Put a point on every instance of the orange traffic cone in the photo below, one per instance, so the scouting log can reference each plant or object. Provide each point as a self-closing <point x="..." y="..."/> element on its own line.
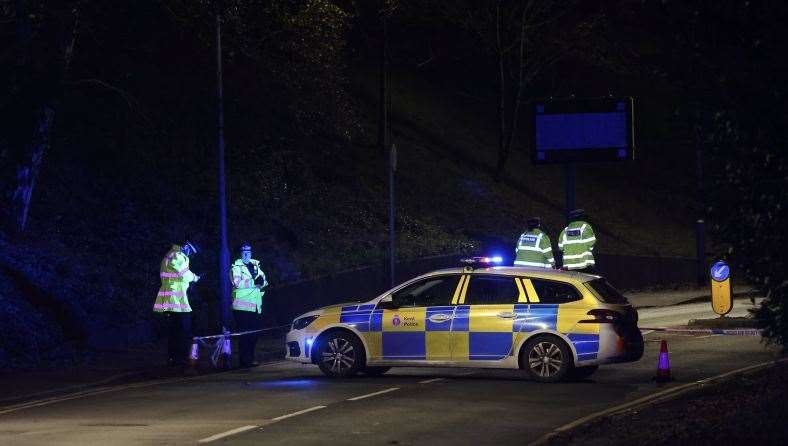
<point x="663" y="365"/>
<point x="194" y="356"/>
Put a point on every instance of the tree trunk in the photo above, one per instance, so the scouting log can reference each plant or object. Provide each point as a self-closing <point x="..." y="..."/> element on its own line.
<point x="506" y="149"/>
<point x="27" y="172"/>
<point x="35" y="141"/>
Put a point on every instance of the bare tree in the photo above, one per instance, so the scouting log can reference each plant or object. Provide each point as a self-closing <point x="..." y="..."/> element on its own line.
<point x="524" y="37"/>
<point x="42" y="52"/>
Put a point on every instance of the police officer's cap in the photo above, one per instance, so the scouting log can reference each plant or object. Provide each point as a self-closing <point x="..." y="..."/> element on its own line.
<point x="533" y="222"/>
<point x="191" y="246"/>
<point x="577" y="214"/>
<point x="245" y="246"/>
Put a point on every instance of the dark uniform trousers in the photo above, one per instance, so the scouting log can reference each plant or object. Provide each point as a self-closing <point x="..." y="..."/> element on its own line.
<point x="247" y="320"/>
<point x="179" y="337"/>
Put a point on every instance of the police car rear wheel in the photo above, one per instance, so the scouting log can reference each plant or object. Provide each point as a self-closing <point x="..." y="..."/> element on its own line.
<point x="546" y="359"/>
<point x="340" y="355"/>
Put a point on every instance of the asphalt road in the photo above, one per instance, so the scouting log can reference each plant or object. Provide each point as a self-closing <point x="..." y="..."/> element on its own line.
<point x="285" y="403"/>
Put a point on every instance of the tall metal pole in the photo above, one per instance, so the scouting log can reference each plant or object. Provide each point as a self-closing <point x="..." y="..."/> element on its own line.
<point x="700" y="224"/>
<point x="224" y="253"/>
<point x="570" y="172"/>
<point x="383" y="138"/>
<point x="392" y="168"/>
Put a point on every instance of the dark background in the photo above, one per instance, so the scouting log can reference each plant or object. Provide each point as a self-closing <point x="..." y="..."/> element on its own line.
<point x="128" y="163"/>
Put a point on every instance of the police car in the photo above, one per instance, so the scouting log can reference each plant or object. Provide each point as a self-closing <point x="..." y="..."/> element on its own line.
<point x="551" y="324"/>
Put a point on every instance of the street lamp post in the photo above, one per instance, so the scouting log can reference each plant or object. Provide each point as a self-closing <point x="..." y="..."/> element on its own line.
<point x="224" y="253"/>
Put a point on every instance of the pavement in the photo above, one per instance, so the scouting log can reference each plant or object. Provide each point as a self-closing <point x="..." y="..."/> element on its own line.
<point x="283" y="402"/>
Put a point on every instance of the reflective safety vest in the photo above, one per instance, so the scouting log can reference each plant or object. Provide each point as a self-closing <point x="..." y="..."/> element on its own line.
<point x="246" y="296"/>
<point x="577" y="243"/>
<point x="534" y="249"/>
<point x="175" y="278"/>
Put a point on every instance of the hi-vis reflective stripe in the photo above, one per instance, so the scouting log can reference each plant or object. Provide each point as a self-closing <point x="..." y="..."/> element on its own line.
<point x="579" y="265"/>
<point x="455" y="298"/>
<point x="537" y="264"/>
<point x="171" y="293"/>
<point x="244" y="304"/>
<point x="529" y="287"/>
<point x="521" y="298"/>
<point x="526" y="291"/>
<point x="578" y="256"/>
<point x="577" y="242"/>
<point x="166" y="275"/>
<point x="464" y="289"/>
<point x="530" y="248"/>
<point x="169" y="306"/>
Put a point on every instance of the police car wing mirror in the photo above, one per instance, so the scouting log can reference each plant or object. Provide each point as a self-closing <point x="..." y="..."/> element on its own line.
<point x="387" y="302"/>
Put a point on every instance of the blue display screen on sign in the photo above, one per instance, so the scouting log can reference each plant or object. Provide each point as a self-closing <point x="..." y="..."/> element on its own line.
<point x="582" y="130"/>
<point x="720" y="271"/>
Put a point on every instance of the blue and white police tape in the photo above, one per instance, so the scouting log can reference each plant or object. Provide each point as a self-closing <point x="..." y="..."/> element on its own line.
<point x="713" y="331"/>
<point x="221" y="343"/>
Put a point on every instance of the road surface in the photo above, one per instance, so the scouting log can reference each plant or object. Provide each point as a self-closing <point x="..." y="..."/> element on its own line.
<point x="290" y="404"/>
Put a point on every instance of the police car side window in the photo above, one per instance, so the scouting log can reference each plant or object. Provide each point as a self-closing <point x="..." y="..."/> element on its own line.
<point x="491" y="290"/>
<point x="550" y="292"/>
<point x="428" y="292"/>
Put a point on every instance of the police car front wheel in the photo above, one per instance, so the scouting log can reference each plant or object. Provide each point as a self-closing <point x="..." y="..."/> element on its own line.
<point x="546" y="359"/>
<point x="340" y="355"/>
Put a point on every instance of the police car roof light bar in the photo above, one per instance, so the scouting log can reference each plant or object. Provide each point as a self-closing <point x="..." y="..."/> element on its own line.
<point x="482" y="260"/>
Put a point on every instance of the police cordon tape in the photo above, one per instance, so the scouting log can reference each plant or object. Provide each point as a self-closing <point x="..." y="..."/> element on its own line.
<point x="714" y="331"/>
<point x="221" y="344"/>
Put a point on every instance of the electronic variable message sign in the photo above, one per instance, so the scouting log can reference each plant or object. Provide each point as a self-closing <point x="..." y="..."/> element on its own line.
<point x="582" y="130"/>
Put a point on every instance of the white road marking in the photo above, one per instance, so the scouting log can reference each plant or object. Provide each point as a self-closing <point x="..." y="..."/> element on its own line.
<point x="707" y="336"/>
<point x="373" y="394"/>
<point x="300" y="412"/>
<point x="427" y="381"/>
<point x="226" y="434"/>
<point x="250" y="427"/>
<point x="109" y="389"/>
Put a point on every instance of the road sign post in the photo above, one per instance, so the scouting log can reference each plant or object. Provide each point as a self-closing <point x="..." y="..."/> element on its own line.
<point x="721" y="295"/>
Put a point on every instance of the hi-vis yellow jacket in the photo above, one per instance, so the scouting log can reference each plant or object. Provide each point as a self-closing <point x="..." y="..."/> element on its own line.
<point x="175" y="278"/>
<point x="577" y="243"/>
<point x="246" y="296"/>
<point x="534" y="249"/>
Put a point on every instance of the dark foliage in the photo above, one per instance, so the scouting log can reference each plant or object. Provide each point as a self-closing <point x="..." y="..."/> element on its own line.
<point x="728" y="59"/>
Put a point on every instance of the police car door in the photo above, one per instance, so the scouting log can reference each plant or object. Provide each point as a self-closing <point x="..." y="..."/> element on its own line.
<point x="482" y="329"/>
<point x="416" y="324"/>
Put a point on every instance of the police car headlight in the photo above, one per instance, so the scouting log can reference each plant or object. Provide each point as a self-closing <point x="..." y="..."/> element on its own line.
<point x="301" y="323"/>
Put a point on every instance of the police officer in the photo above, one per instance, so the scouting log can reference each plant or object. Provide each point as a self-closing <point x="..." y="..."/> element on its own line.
<point x="248" y="281"/>
<point x="173" y="302"/>
<point x="576" y="242"/>
<point x="533" y="247"/>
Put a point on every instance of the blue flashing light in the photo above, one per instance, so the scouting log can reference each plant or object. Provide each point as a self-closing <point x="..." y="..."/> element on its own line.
<point x="309" y="341"/>
<point x="496" y="259"/>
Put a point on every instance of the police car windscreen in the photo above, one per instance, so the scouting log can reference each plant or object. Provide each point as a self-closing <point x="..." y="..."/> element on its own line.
<point x="606" y="292"/>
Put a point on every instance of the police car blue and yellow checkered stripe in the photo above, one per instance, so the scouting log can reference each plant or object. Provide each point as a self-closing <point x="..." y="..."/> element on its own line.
<point x="469" y="333"/>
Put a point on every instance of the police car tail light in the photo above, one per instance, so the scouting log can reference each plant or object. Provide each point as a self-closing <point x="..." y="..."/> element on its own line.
<point x="601" y="316"/>
<point x="301" y="323"/>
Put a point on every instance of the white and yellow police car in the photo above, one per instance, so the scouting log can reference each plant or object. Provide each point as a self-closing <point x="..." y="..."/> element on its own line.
<point x="552" y="324"/>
